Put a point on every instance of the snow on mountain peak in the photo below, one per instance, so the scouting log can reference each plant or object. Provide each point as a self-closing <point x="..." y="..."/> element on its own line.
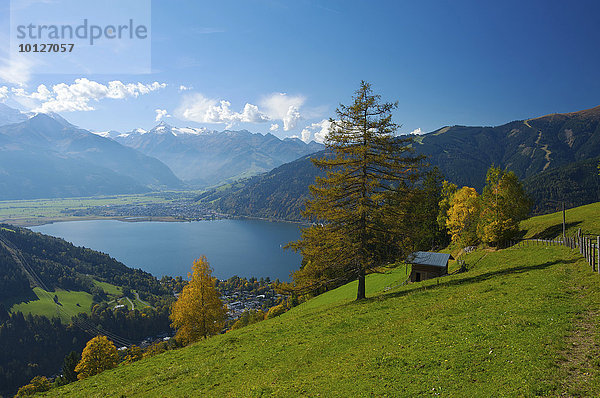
<point x="164" y="128"/>
<point x="105" y="134"/>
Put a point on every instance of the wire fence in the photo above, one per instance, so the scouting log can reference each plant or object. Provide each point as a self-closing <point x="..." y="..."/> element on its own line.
<point x="588" y="246"/>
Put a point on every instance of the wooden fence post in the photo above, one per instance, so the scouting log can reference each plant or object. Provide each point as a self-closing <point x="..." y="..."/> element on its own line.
<point x="592" y="262"/>
<point x="590" y="253"/>
<point x="587" y="250"/>
<point x="598" y="250"/>
<point x="593" y="255"/>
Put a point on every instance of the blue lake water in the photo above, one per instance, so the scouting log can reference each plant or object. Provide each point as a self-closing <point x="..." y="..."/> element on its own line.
<point x="233" y="247"/>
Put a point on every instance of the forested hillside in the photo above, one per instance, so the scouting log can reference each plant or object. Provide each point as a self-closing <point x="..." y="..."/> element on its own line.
<point x="34" y="344"/>
<point x="575" y="184"/>
<point x="279" y="194"/>
<point x="526" y="147"/>
<point x="556" y="155"/>
<point x="62" y="265"/>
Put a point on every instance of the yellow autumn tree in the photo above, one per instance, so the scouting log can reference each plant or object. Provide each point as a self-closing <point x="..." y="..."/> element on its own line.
<point x="99" y="354"/>
<point x="134" y="353"/>
<point x="504" y="204"/>
<point x="463" y="216"/>
<point x="199" y="311"/>
<point x="37" y="384"/>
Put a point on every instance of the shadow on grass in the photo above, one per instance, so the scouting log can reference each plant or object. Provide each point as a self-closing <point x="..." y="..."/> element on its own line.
<point x="23" y="298"/>
<point x="554" y="231"/>
<point x="467" y="279"/>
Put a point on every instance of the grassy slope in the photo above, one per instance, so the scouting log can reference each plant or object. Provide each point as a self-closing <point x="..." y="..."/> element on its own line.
<point x="550" y="225"/>
<point x="500" y="329"/>
<point x="109" y="289"/>
<point x="45" y="305"/>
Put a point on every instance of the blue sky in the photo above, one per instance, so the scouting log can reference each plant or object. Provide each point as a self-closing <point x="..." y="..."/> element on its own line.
<point x="284" y="66"/>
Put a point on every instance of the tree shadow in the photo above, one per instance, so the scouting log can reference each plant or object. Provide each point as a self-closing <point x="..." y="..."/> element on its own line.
<point x="554" y="230"/>
<point x="468" y="279"/>
<point x="25" y="297"/>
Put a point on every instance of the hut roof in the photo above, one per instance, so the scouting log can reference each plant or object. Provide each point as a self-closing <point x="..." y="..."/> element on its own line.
<point x="430" y="258"/>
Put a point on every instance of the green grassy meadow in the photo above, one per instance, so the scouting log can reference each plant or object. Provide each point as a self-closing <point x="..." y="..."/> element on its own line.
<point x="510" y="326"/>
<point x="45" y="305"/>
<point x="550" y="225"/>
<point x="71" y="302"/>
<point x="109" y="289"/>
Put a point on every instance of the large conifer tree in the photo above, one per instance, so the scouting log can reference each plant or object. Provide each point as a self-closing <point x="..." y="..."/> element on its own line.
<point x="360" y="203"/>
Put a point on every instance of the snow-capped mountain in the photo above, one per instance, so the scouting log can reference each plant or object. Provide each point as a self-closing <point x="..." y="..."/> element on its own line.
<point x="204" y="157"/>
<point x="161" y="128"/>
<point x="45" y="156"/>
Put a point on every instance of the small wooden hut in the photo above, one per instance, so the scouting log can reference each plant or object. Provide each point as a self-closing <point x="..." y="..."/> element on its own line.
<point x="427" y="265"/>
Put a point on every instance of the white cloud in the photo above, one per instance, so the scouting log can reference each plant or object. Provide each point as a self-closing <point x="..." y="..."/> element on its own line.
<point x="417" y="131"/>
<point x="77" y="96"/>
<point x="198" y="108"/>
<point x="41" y="94"/>
<point x="3" y="93"/>
<point x="251" y="114"/>
<point x="15" y="70"/>
<point x="316" y="131"/>
<point x="286" y="108"/>
<point x="184" y="88"/>
<point x="161" y="113"/>
<point x="278" y="106"/>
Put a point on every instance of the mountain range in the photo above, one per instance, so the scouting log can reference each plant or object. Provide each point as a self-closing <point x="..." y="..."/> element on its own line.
<point x="526" y="147"/>
<point x="202" y="157"/>
<point x="555" y="155"/>
<point x="46" y="157"/>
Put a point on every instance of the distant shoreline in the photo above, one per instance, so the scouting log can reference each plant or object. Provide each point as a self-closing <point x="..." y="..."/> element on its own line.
<point x="29" y="222"/>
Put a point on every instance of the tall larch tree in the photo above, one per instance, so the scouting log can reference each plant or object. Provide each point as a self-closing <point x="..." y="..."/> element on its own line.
<point x="99" y="354"/>
<point x="199" y="311"/>
<point x="504" y="204"/>
<point x="370" y="174"/>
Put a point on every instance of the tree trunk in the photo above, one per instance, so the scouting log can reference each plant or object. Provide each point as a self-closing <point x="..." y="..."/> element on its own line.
<point x="361" y="284"/>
